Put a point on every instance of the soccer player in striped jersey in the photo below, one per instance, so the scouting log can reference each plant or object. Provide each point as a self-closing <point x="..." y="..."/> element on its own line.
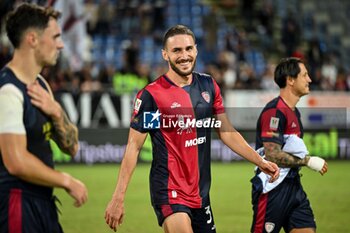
<point x="178" y="110"/>
<point x="284" y="204"/>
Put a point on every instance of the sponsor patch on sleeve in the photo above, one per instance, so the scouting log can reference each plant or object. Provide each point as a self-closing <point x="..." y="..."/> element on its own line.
<point x="270" y="134"/>
<point x="137" y="105"/>
<point x="274" y="123"/>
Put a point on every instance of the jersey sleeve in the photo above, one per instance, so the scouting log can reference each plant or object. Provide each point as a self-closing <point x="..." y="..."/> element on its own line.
<point x="143" y="103"/>
<point x="11" y="112"/>
<point x="273" y="124"/>
<point x="218" y="106"/>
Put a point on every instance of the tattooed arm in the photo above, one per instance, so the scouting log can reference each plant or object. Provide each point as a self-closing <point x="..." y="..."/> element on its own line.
<point x="274" y="153"/>
<point x="65" y="132"/>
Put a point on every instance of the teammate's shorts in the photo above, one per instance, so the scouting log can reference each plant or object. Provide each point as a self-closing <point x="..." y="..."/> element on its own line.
<point x="202" y="218"/>
<point x="285" y="206"/>
<point x="21" y="212"/>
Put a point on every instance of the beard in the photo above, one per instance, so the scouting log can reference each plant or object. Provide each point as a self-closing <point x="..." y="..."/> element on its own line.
<point x="178" y="71"/>
<point x="46" y="60"/>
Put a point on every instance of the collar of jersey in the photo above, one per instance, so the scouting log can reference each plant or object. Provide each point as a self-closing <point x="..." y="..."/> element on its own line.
<point x="172" y="83"/>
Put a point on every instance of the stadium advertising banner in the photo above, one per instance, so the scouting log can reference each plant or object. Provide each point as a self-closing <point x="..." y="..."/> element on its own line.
<point x="319" y="110"/>
<point x="103" y="121"/>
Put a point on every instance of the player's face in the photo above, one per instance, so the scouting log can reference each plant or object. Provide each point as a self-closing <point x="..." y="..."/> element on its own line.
<point x="181" y="53"/>
<point x="50" y="44"/>
<point x="301" y="83"/>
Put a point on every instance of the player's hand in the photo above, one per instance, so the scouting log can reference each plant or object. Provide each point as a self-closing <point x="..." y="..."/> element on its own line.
<point x="270" y="169"/>
<point x="43" y="100"/>
<point x="324" y="168"/>
<point x="317" y="164"/>
<point x="114" y="214"/>
<point x="77" y="190"/>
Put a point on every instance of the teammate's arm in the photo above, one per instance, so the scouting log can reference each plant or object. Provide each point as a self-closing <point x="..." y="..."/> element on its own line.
<point x="234" y="140"/>
<point x="274" y="153"/>
<point x="115" y="209"/>
<point x="65" y="133"/>
<point x="18" y="160"/>
<point x="21" y="163"/>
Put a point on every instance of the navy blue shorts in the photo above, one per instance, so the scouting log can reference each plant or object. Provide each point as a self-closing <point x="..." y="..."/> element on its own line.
<point x="21" y="212"/>
<point x="202" y="218"/>
<point x="286" y="206"/>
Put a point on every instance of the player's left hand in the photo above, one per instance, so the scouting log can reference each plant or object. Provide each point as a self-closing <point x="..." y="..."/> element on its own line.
<point x="43" y="100"/>
<point x="270" y="168"/>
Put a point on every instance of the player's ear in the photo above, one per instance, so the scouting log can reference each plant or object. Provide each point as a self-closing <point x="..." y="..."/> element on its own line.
<point x="165" y="55"/>
<point x="290" y="80"/>
<point x="31" y="37"/>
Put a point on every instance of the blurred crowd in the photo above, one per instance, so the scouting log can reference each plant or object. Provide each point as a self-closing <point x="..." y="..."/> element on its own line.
<point x="238" y="57"/>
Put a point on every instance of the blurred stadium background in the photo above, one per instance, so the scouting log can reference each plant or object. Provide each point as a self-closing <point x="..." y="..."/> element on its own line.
<point x="113" y="49"/>
<point x="239" y="41"/>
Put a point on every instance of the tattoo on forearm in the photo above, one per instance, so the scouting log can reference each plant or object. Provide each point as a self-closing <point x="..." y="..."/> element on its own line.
<point x="274" y="153"/>
<point x="66" y="134"/>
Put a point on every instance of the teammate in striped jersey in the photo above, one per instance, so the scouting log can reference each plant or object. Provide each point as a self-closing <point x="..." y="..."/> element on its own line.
<point x="284" y="204"/>
<point x="29" y="118"/>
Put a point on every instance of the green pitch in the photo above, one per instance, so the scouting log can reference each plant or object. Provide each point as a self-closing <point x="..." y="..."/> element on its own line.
<point x="230" y="196"/>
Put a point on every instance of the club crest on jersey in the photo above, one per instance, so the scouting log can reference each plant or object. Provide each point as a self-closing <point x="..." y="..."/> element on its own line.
<point x="274" y="122"/>
<point x="206" y="96"/>
<point x="269" y="226"/>
<point x="137" y="104"/>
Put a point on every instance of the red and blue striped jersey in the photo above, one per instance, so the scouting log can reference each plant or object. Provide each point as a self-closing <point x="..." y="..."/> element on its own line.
<point x="277" y="119"/>
<point x="179" y="121"/>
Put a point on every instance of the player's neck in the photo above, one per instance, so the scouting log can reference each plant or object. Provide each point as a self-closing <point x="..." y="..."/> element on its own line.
<point x="24" y="67"/>
<point x="179" y="80"/>
<point x="289" y="98"/>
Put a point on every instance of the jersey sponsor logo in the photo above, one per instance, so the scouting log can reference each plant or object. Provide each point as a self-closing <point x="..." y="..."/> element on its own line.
<point x="151" y="120"/>
<point x="137" y="105"/>
<point x="195" y="141"/>
<point x="206" y="96"/>
<point x="274" y="122"/>
<point x="269" y="226"/>
<point x="47" y="130"/>
<point x="175" y="105"/>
